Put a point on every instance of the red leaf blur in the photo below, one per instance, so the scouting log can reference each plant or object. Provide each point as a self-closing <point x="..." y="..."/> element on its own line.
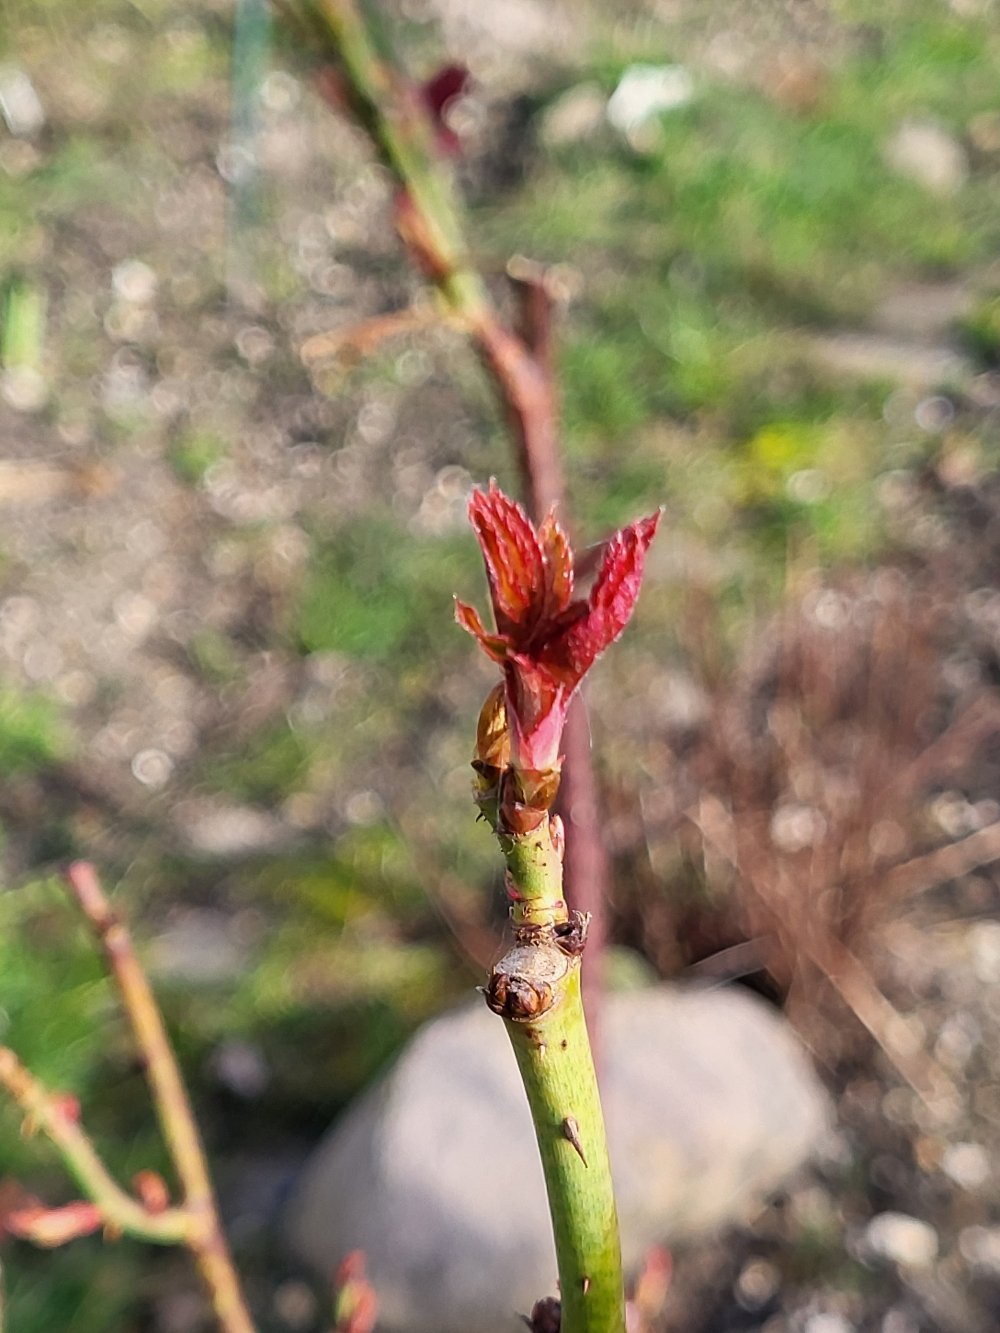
<point x="545" y="641"/>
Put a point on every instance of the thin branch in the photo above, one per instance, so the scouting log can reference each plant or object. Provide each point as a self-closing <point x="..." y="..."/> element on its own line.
<point x="54" y="1115"/>
<point x="845" y="973"/>
<point x="958" y="858"/>
<point x="350" y="345"/>
<point x="164" y="1078"/>
<point x="204" y="1235"/>
<point x="428" y="217"/>
<point x="586" y="865"/>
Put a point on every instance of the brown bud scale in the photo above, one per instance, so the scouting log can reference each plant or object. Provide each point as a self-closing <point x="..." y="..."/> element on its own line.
<point x="524" y="984"/>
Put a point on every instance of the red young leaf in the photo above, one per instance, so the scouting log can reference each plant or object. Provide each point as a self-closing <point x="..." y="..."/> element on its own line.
<point x="492" y="644"/>
<point x="613" y="595"/>
<point x="558" y="565"/>
<point x="448" y="84"/>
<point x="545" y="641"/>
<point x="514" y="562"/>
<point x="54" y="1226"/>
<point x="356" y="1305"/>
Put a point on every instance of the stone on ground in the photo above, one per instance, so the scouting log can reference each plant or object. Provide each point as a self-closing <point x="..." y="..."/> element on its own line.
<point x="435" y="1174"/>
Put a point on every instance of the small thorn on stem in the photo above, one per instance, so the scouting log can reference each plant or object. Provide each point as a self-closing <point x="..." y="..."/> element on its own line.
<point x="571" y="1130"/>
<point x="557" y="832"/>
<point x="586" y="1285"/>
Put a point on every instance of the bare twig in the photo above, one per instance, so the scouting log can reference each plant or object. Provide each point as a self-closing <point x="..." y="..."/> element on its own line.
<point x="958" y="858"/>
<point x="952" y="748"/>
<point x="429" y="221"/>
<point x="351" y="344"/>
<point x="204" y="1234"/>
<point x="739" y="843"/>
<point x="586" y="866"/>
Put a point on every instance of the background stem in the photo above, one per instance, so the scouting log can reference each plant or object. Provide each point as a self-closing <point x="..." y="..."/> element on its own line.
<point x="47" y="1112"/>
<point x="520" y="362"/>
<point x="205" y="1236"/>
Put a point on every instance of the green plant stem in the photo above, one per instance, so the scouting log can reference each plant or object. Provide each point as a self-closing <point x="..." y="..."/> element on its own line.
<point x="552" y="1047"/>
<point x="535" y="871"/>
<point x="48" y="1113"/>
<point x="553" y="1054"/>
<point x="389" y="113"/>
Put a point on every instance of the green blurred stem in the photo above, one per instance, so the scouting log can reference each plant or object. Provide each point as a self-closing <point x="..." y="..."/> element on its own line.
<point x="554" y="1056"/>
<point x="391" y="114"/>
<point x="49" y="1113"/>
<point x="23" y="325"/>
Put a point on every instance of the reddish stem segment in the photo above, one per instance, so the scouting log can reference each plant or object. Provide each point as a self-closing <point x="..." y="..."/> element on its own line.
<point x="586" y="864"/>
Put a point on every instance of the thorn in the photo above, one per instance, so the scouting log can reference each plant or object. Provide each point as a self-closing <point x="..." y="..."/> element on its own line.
<point x="586" y="1285"/>
<point x="558" y="834"/>
<point x="152" y="1190"/>
<point x="571" y="1130"/>
<point x="66" y="1105"/>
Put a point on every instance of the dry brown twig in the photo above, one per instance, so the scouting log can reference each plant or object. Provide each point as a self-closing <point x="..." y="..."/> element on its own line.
<point x="195" y="1221"/>
<point x="842" y="746"/>
<point x="851" y="980"/>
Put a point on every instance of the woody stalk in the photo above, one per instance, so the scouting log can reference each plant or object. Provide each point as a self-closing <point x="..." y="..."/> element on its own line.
<point x="544" y="642"/>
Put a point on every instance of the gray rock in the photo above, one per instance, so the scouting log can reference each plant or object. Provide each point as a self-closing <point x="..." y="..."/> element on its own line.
<point x="435" y="1172"/>
<point x="871" y="356"/>
<point x="929" y="155"/>
<point x="905" y="1240"/>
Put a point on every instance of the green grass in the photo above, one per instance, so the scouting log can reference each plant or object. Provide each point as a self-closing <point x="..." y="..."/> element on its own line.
<point x="376" y="592"/>
<point x="31" y="733"/>
<point x="194" y="452"/>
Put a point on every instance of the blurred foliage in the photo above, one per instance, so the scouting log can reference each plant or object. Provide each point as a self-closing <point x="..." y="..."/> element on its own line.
<point x="193" y="453"/>
<point x="374" y="591"/>
<point x="31" y="732"/>
<point x="982" y="327"/>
